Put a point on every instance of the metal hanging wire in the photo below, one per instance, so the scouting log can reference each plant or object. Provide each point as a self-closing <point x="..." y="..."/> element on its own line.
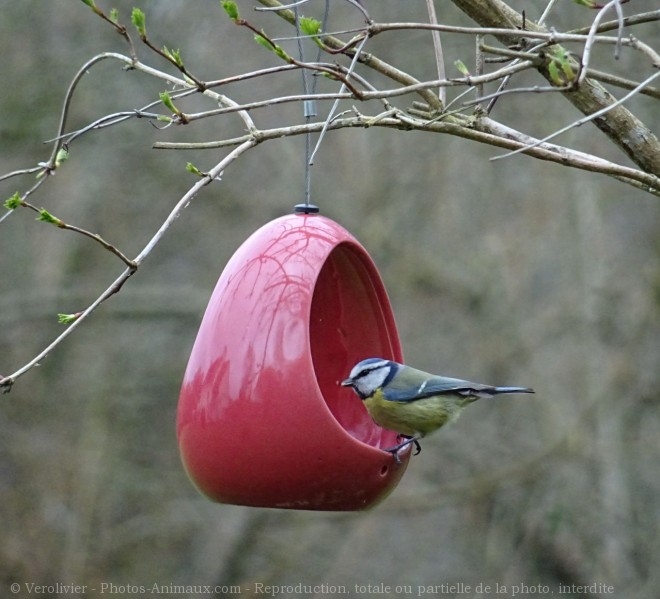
<point x="309" y="83"/>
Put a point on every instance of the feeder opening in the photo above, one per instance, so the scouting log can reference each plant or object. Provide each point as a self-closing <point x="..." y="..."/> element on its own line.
<point x="350" y="320"/>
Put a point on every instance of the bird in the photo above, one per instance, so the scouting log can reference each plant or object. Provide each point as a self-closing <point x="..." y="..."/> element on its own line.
<point x="412" y="402"/>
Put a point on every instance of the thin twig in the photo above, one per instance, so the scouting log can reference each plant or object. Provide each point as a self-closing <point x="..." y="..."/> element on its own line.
<point x="67" y="100"/>
<point x="512" y="140"/>
<point x="107" y="121"/>
<point x="336" y="103"/>
<point x="94" y="236"/>
<point x="437" y="47"/>
<point x="118" y="27"/>
<point x="367" y="95"/>
<point x="22" y="171"/>
<point x="644" y="17"/>
<point x="370" y="60"/>
<point x="550" y="37"/>
<point x="7" y="381"/>
<point x="479" y="66"/>
<point x="546" y="12"/>
<point x="586" y="54"/>
<point x="653" y="92"/>
<point x="532" y="89"/>
<point x="332" y="71"/>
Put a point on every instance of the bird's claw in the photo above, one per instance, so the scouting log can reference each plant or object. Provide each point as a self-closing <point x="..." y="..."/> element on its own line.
<point x="408" y="440"/>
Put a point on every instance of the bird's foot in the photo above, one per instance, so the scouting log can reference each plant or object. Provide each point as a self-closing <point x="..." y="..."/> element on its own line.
<point x="408" y="440"/>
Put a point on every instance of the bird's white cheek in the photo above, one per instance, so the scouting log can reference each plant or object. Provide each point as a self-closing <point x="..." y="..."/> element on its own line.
<point x="373" y="380"/>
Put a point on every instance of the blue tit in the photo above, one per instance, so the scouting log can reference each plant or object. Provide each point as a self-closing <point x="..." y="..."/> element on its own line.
<point x="412" y="402"/>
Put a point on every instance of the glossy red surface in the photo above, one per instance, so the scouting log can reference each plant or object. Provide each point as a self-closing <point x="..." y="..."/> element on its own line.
<point x="262" y="420"/>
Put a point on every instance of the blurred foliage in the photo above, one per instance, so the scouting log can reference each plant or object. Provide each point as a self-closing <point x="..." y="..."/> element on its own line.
<point x="516" y="272"/>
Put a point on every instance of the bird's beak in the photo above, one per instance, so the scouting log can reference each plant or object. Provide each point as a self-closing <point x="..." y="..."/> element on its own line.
<point x="347" y="383"/>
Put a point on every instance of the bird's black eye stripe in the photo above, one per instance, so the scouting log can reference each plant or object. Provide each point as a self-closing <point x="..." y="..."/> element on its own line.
<point x="364" y="372"/>
<point x="368" y="370"/>
<point x="373" y="367"/>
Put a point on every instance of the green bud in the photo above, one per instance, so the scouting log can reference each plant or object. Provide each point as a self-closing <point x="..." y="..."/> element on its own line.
<point x="47" y="217"/>
<point x="174" y="56"/>
<point x="191" y="168"/>
<point x="460" y="65"/>
<point x="177" y="57"/>
<point x="114" y="15"/>
<point x="67" y="318"/>
<point x="164" y="119"/>
<point x="263" y="42"/>
<point x="61" y="156"/>
<point x="560" y="68"/>
<point x="165" y="99"/>
<point x="231" y="9"/>
<point x="260" y="39"/>
<point x="139" y="20"/>
<point x="13" y="202"/>
<point x="281" y="53"/>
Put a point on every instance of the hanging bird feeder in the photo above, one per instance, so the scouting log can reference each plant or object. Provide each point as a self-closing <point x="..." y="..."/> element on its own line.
<point x="262" y="420"/>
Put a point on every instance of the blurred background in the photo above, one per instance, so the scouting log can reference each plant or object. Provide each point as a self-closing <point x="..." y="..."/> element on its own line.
<point x="508" y="272"/>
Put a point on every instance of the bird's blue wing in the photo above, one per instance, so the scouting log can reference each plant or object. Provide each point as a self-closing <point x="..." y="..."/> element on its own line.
<point x="409" y="386"/>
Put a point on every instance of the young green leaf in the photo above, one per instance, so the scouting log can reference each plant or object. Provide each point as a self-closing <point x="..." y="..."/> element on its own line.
<point x="174" y="56"/>
<point x="231" y="9"/>
<point x="13" y="202"/>
<point x="310" y="26"/>
<point x="114" y="15"/>
<point x="140" y="21"/>
<point x="90" y="3"/>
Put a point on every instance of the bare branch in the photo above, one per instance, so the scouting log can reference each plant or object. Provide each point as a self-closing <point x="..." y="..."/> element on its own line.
<point x="588" y="118"/>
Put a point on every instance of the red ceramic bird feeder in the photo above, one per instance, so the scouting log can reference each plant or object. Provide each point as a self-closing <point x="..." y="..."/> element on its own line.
<point x="262" y="420"/>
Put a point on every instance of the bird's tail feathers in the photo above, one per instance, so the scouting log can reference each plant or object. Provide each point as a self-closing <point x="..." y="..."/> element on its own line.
<point x="498" y="390"/>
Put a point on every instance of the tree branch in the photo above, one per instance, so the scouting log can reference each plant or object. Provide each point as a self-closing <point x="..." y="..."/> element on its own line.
<point x="621" y="126"/>
<point x="6" y="382"/>
<point x="365" y="58"/>
<point x="482" y="130"/>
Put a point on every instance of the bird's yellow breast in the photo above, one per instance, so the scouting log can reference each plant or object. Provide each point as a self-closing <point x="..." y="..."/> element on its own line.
<point x="414" y="417"/>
